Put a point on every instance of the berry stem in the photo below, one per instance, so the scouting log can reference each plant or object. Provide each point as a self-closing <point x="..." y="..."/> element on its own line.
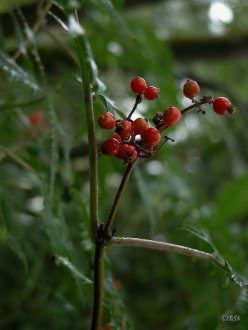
<point x="137" y="102"/>
<point x="114" y="208"/>
<point x="168" y="247"/>
<point x="162" y="126"/>
<point x="195" y="105"/>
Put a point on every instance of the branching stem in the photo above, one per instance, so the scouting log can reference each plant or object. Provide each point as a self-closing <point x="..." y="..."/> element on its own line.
<point x="122" y="186"/>
<point x="168" y="247"/>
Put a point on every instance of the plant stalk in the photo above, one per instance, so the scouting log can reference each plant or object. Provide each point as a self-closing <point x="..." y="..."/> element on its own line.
<point x="98" y="286"/>
<point x="168" y="247"/>
<point x="92" y="154"/>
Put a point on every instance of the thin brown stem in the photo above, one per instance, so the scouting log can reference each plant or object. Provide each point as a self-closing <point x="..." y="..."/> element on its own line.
<point x="114" y="208"/>
<point x="162" y="127"/>
<point x="168" y="247"/>
<point x="98" y="287"/>
<point x="137" y="102"/>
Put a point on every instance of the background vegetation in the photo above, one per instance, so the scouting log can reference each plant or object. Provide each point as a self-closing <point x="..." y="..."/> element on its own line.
<point x="199" y="182"/>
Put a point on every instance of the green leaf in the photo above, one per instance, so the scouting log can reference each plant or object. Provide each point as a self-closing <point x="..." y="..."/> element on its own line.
<point x="55" y="225"/>
<point x="222" y="263"/>
<point x="54" y="149"/>
<point x="16" y="73"/>
<point x="60" y="260"/>
<point x="232" y="201"/>
<point x="110" y="105"/>
<point x="14" y="239"/>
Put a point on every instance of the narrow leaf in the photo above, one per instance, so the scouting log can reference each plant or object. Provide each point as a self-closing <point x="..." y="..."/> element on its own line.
<point x="16" y="73"/>
<point x="60" y="260"/>
<point x="14" y="239"/>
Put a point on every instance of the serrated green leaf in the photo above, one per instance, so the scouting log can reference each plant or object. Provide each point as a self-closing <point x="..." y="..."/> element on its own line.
<point x="219" y="259"/>
<point x="55" y="226"/>
<point x="16" y="73"/>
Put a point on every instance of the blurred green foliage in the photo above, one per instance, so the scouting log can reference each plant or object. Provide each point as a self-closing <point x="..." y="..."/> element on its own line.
<point x="199" y="181"/>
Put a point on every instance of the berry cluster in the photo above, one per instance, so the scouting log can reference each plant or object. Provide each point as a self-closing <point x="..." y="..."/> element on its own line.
<point x="136" y="138"/>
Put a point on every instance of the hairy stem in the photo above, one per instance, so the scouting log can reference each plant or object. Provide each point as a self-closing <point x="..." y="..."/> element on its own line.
<point x="98" y="287"/>
<point x="114" y="208"/>
<point x="168" y="247"/>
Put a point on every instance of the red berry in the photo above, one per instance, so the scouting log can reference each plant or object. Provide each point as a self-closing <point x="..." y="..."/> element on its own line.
<point x="110" y="147"/>
<point x="191" y="89"/>
<point x="127" y="153"/>
<point x="117" y="137"/>
<point x="138" y="85"/>
<point x="139" y="125"/>
<point x="223" y="106"/>
<point x="171" y="116"/>
<point x="124" y="128"/>
<point x="107" y="327"/>
<point x="106" y="120"/>
<point x="151" y="137"/>
<point x="152" y="93"/>
<point x="36" y="118"/>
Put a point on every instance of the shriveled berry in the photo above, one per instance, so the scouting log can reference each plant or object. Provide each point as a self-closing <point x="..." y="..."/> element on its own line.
<point x="191" y="89"/>
<point x="110" y="147"/>
<point x="223" y="106"/>
<point x="152" y="93"/>
<point x="127" y="153"/>
<point x="124" y="128"/>
<point x="138" y="85"/>
<point x="106" y="120"/>
<point x="151" y="137"/>
<point x="139" y="125"/>
<point x="171" y="116"/>
<point x="158" y="118"/>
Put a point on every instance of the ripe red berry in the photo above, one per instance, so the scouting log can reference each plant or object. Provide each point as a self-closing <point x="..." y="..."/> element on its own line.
<point x="110" y="147"/>
<point x="117" y="137"/>
<point x="171" y="116"/>
<point x="223" y="106"/>
<point x="36" y="118"/>
<point x="124" y="128"/>
<point x="107" y="327"/>
<point x="152" y="93"/>
<point x="127" y="153"/>
<point x="151" y="137"/>
<point x="106" y="120"/>
<point x="138" y="85"/>
<point x="191" y="89"/>
<point x="139" y="125"/>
